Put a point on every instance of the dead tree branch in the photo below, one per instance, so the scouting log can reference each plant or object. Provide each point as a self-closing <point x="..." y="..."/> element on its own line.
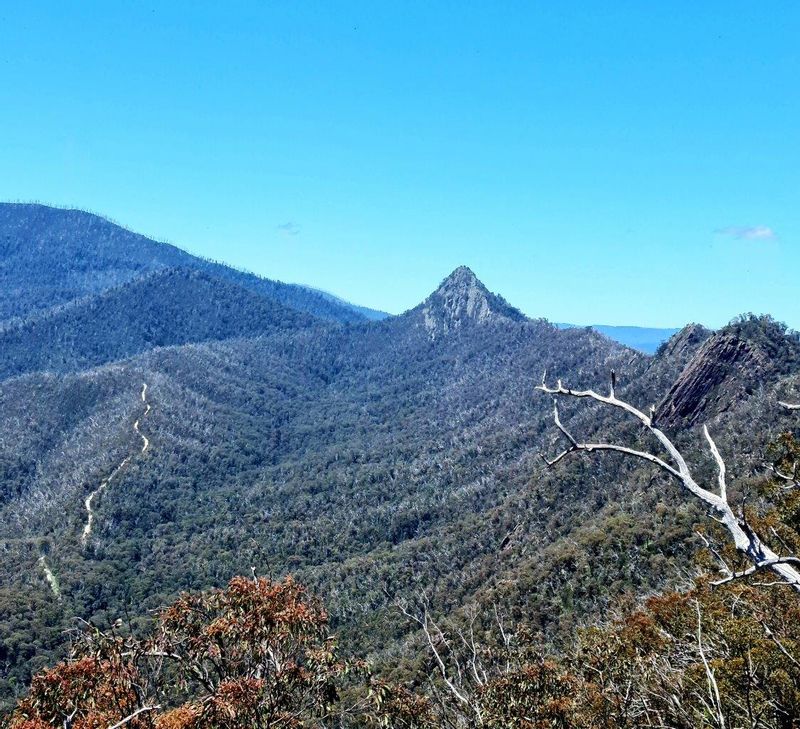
<point x="713" y="688"/>
<point x="747" y="542"/>
<point x="132" y="716"/>
<point x="435" y="637"/>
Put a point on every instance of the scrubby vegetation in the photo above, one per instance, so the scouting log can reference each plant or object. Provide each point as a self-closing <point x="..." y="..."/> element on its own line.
<point x="259" y="654"/>
<point x="389" y="466"/>
<point x="51" y="257"/>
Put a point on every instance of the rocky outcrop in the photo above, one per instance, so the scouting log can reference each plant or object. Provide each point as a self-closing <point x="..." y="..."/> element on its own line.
<point x="724" y="369"/>
<point x="682" y="346"/>
<point x="462" y="299"/>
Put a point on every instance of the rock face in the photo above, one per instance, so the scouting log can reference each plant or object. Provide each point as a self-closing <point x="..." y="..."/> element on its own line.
<point x="682" y="346"/>
<point x="728" y="366"/>
<point x="462" y="299"/>
<point x="672" y="356"/>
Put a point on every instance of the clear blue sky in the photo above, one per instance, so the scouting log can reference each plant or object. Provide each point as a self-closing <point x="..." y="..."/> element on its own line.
<point x="594" y="162"/>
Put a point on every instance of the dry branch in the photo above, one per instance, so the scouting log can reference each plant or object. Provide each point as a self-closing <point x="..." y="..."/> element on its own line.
<point x="747" y="542"/>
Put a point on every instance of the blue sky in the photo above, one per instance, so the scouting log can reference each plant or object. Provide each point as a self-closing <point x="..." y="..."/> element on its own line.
<point x="594" y="162"/>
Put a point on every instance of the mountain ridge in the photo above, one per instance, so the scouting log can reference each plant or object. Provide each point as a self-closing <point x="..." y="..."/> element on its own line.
<point x="729" y="364"/>
<point x="49" y="256"/>
<point x="128" y="254"/>
<point x="462" y="299"/>
<point x="372" y="460"/>
<point x="164" y="307"/>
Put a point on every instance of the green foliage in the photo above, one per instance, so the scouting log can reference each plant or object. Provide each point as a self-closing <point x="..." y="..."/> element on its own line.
<point x="781" y="345"/>
<point x="53" y="256"/>
<point x="165" y="308"/>
<point x="373" y="460"/>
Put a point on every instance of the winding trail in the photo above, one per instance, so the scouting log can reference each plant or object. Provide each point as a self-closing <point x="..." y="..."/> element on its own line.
<point x="145" y="441"/>
<point x="87" y="528"/>
<point x="50" y="577"/>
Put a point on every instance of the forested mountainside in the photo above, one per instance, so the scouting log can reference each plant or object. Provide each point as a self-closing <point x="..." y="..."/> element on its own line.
<point x="345" y="455"/>
<point x="371" y="461"/>
<point x="371" y="314"/>
<point x="178" y="428"/>
<point x="50" y="256"/>
<point x="170" y="306"/>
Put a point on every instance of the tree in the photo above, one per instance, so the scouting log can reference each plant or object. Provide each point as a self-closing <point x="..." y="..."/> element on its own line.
<point x="256" y="654"/>
<point x="744" y="537"/>
<point x="491" y="677"/>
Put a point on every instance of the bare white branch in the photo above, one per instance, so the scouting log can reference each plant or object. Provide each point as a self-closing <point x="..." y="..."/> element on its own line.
<point x="723" y="488"/>
<point x="793" y="478"/>
<point x="766" y="564"/>
<point x="133" y="716"/>
<point x="768" y="632"/>
<point x="589" y="447"/>
<point x="723" y="565"/>
<point x="427" y="626"/>
<point x="713" y="688"/>
<point x="746" y="540"/>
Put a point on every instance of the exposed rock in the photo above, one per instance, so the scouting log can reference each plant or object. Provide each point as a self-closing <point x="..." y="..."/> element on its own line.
<point x="725" y="368"/>
<point x="460" y="299"/>
<point x="681" y="346"/>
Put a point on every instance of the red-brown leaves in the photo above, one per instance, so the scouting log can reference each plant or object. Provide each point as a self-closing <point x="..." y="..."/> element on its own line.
<point x="89" y="692"/>
<point x="255" y="654"/>
<point x="536" y="696"/>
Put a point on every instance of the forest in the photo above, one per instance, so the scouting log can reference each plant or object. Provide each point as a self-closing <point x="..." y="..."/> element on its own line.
<point x="303" y="517"/>
<point x="260" y="653"/>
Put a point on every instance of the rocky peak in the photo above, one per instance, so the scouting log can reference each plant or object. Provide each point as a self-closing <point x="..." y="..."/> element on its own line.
<point x="731" y="364"/>
<point x="683" y="344"/>
<point x="462" y="299"/>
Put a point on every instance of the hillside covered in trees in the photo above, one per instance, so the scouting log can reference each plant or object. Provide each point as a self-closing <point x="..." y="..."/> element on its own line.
<point x="389" y="465"/>
<point x="51" y="256"/>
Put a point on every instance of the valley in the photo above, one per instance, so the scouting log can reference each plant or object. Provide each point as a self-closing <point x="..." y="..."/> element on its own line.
<point x="372" y="459"/>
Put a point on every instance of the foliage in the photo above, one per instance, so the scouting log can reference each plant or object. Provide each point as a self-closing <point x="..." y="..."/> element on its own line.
<point x="537" y="695"/>
<point x="52" y="256"/>
<point x="392" y="706"/>
<point x="372" y="460"/>
<point x="260" y="654"/>
<point x="171" y="306"/>
<point x="361" y="459"/>
<point x="256" y="654"/>
<point x="780" y="344"/>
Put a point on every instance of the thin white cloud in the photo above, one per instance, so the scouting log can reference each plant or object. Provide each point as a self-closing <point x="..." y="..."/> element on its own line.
<point x="289" y="228"/>
<point x="748" y="232"/>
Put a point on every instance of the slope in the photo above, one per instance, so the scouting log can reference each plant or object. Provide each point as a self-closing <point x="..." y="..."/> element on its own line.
<point x="329" y="452"/>
<point x="373" y="461"/>
<point x="163" y="308"/>
<point x="732" y="364"/>
<point x="50" y="256"/>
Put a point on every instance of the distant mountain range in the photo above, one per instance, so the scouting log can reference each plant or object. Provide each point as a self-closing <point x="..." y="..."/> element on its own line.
<point x="645" y="339"/>
<point x="50" y="256"/>
<point x="287" y="431"/>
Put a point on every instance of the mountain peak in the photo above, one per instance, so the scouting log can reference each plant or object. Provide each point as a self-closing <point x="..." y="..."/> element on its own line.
<point x="460" y="299"/>
<point x="729" y="366"/>
<point x="461" y="276"/>
<point x="682" y="345"/>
